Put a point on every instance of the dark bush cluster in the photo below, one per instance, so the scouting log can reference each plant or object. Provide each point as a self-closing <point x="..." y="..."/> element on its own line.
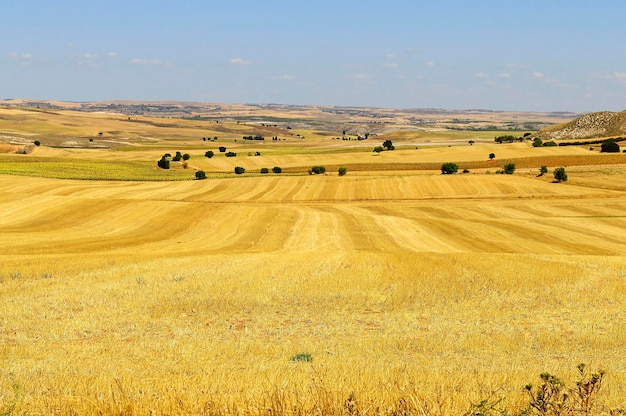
<point x="318" y="170"/>
<point x="257" y="137"/>
<point x="231" y="154"/>
<point x="449" y="168"/>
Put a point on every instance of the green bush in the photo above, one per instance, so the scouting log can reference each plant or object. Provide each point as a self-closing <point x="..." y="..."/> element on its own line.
<point x="537" y="142"/>
<point x="37" y="143"/>
<point x="265" y="170"/>
<point x="164" y="162"/>
<point x="303" y="356"/>
<point x="277" y="169"/>
<point x="388" y="144"/>
<point x="378" y="149"/>
<point x="209" y="154"/>
<point x="543" y="170"/>
<point x="231" y="154"/>
<point x="609" y="146"/>
<point x="239" y="170"/>
<point x="449" y="168"/>
<point x="200" y="174"/>
<point x="509" y="168"/>
<point x="318" y="170"/>
<point x="177" y="157"/>
<point x="492" y="156"/>
<point x="560" y="175"/>
<point x="186" y="156"/>
<point x="342" y="171"/>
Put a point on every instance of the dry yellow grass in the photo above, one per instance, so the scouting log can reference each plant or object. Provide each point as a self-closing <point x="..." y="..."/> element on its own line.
<point x="414" y="293"/>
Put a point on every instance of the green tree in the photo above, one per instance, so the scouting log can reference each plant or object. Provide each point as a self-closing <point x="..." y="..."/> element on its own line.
<point x="560" y="175"/>
<point x="537" y="142"/>
<point x="209" y="154"/>
<point x="200" y="174"/>
<point x="449" y="168"/>
<point x="388" y="144"/>
<point x="164" y="162"/>
<point x="492" y="156"/>
<point x="239" y="170"/>
<point x="277" y="169"/>
<point x="342" y="171"/>
<point x="177" y="157"/>
<point x="509" y="168"/>
<point x="543" y="170"/>
<point x="265" y="170"/>
<point x="37" y="143"/>
<point x="318" y="170"/>
<point x="609" y="146"/>
<point x="186" y="156"/>
<point x="378" y="149"/>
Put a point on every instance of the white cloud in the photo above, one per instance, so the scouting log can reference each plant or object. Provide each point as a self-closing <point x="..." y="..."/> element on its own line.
<point x="390" y="65"/>
<point x="429" y="63"/>
<point x="482" y="75"/>
<point x="361" y="77"/>
<point x="538" y="75"/>
<point x="112" y="54"/>
<point x="240" y="61"/>
<point x="24" y="59"/>
<point x="504" y="75"/>
<point x="391" y="56"/>
<point x="553" y="82"/>
<point x="142" y="61"/>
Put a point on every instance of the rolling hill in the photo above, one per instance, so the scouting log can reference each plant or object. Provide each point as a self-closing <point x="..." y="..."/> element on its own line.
<point x="592" y="125"/>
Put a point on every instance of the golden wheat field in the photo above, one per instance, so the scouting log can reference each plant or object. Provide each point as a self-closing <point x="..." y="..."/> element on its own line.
<point x="385" y="291"/>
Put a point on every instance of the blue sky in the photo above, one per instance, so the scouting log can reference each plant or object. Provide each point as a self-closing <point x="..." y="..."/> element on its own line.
<point x="546" y="55"/>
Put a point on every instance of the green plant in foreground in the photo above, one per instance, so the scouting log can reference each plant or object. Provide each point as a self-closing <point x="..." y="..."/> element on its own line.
<point x="342" y="171"/>
<point x="553" y="398"/>
<point x="303" y="356"/>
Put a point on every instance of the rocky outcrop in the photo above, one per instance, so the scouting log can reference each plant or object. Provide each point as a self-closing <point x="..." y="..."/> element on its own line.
<point x="592" y="125"/>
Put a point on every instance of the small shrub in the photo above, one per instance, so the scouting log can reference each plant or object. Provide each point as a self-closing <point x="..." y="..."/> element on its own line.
<point x="302" y="357"/>
<point x="265" y="170"/>
<point x="200" y="175"/>
<point x="537" y="142"/>
<point x="560" y="175"/>
<point x="239" y="170"/>
<point x="209" y="154"/>
<point x="492" y="156"/>
<point x="37" y="143"/>
<point x="378" y="149"/>
<point x="231" y="154"/>
<point x="318" y="170"/>
<point x="466" y="171"/>
<point x="277" y="169"/>
<point x="543" y="170"/>
<point x="186" y="156"/>
<point x="342" y="171"/>
<point x="449" y="168"/>
<point x="222" y="149"/>
<point x="509" y="168"/>
<point x="177" y="157"/>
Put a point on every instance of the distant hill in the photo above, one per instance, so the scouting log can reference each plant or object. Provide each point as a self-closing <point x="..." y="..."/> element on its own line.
<point x="592" y="125"/>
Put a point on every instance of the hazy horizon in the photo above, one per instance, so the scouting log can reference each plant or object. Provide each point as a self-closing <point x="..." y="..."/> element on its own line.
<point x="555" y="57"/>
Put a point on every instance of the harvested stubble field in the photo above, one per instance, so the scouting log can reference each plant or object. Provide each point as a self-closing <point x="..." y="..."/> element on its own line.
<point x="412" y="292"/>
